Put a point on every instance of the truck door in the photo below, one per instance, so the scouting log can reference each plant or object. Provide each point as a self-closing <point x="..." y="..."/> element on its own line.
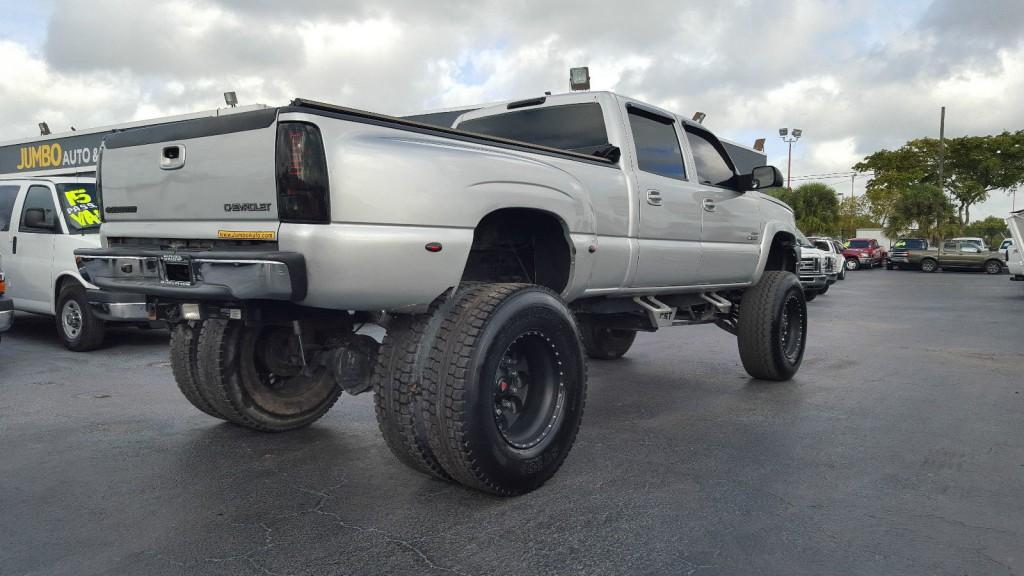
<point x="950" y="254"/>
<point x="669" y="232"/>
<point x="28" y="268"/>
<point x="730" y="220"/>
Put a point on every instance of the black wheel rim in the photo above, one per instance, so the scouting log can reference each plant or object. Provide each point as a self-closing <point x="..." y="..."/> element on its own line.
<point x="529" y="392"/>
<point x="792" y="328"/>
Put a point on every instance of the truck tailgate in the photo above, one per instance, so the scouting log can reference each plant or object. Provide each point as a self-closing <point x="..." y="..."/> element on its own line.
<point x="209" y="171"/>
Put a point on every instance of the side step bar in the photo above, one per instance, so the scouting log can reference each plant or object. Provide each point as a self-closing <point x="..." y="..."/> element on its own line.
<point x="662" y="315"/>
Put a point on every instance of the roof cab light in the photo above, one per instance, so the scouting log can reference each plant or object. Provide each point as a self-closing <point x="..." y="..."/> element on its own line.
<point x="303" y="193"/>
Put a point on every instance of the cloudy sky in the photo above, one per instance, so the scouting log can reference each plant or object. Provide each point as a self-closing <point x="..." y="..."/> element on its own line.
<point x="855" y="76"/>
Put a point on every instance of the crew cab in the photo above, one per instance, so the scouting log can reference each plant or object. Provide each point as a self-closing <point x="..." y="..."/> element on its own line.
<point x="863" y="253"/>
<point x="267" y="238"/>
<point x="907" y="253"/>
<point x="6" y="305"/>
<point x="963" y="255"/>
<point x="42" y="221"/>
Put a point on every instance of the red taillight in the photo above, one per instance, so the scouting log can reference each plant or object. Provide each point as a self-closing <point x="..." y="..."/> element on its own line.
<point x="3" y="283"/>
<point x="303" y="193"/>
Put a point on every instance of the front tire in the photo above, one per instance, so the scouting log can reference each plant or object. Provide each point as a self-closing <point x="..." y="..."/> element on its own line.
<point x="993" y="267"/>
<point x="929" y="265"/>
<point x="842" y="272"/>
<point x="603" y="343"/>
<point x="852" y="264"/>
<point x="256" y="377"/>
<point x="772" y="330"/>
<point x="77" y="327"/>
<point x="508" y="387"/>
<point x="810" y="295"/>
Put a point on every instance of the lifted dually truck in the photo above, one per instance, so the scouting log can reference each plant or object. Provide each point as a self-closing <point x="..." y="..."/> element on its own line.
<point x="504" y="251"/>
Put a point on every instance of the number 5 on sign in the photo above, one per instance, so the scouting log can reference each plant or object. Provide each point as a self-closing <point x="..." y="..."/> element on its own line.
<point x="76" y="197"/>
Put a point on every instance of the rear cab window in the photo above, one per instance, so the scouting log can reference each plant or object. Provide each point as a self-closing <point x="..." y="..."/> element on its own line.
<point x="574" y="127"/>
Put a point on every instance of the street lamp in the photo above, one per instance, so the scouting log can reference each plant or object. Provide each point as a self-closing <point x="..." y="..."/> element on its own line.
<point x="790" y="137"/>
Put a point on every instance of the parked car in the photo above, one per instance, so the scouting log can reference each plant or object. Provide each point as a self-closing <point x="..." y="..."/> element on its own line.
<point x="42" y="222"/>
<point x="906" y="253"/>
<point x="863" y="253"/>
<point x="817" y="273"/>
<point x="496" y="247"/>
<point x="962" y="255"/>
<point x="835" y="252"/>
<point x="6" y="305"/>
<point x="1015" y="252"/>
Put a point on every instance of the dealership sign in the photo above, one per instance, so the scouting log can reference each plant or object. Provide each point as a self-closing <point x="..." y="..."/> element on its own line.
<point x="69" y="153"/>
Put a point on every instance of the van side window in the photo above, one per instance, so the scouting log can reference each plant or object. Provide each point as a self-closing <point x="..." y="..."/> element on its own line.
<point x="657" y="145"/>
<point x="8" y="194"/>
<point x="712" y="167"/>
<point x="38" y="208"/>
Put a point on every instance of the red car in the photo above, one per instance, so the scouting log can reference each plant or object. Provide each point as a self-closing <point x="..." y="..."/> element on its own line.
<point x="863" y="253"/>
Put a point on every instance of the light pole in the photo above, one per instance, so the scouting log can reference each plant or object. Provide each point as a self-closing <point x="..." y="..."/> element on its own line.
<point x="790" y="137"/>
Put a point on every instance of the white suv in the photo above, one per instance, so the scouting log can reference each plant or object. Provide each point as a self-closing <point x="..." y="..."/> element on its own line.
<point x="42" y="222"/>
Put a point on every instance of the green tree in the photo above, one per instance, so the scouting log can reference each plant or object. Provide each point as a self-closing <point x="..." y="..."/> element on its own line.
<point x="854" y="213"/>
<point x="815" y="205"/>
<point x="921" y="210"/>
<point x="974" y="167"/>
<point x="993" y="229"/>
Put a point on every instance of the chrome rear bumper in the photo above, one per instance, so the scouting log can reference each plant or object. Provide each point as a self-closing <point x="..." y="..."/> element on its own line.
<point x="195" y="276"/>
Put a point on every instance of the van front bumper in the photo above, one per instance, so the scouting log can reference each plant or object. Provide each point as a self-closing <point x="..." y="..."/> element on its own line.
<point x="196" y="276"/>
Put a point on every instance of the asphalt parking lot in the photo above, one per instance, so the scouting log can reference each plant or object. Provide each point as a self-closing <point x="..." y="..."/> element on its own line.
<point x="898" y="449"/>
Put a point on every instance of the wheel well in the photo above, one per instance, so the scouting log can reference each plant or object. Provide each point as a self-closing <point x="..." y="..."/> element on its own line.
<point x="59" y="285"/>
<point x="520" y="245"/>
<point x="780" y="255"/>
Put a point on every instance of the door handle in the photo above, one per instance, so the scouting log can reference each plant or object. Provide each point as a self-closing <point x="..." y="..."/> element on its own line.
<point x="709" y="205"/>
<point x="14" y="244"/>
<point x="654" y="198"/>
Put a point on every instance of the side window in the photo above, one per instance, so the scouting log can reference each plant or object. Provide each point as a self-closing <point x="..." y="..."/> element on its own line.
<point x="949" y="245"/>
<point x="8" y="194"/>
<point x="39" y="214"/>
<point x="657" y="146"/>
<point x="712" y="167"/>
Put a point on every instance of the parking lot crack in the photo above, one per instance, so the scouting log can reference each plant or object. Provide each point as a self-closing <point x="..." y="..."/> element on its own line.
<point x="325" y="497"/>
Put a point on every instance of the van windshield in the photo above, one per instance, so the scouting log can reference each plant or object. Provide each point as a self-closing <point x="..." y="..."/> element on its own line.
<point x="81" y="207"/>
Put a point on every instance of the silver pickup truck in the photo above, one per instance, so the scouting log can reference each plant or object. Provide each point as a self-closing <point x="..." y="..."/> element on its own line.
<point x="502" y="252"/>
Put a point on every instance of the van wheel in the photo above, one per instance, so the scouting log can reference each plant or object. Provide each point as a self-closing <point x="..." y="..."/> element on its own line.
<point x="77" y="327"/>
<point x="605" y="343"/>
<point x="505" y="393"/>
<point x="772" y="330"/>
<point x="184" y="356"/>
<point x="257" y="377"/>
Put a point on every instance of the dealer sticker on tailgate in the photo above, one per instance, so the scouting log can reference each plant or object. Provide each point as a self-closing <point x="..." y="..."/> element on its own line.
<point x="247" y="234"/>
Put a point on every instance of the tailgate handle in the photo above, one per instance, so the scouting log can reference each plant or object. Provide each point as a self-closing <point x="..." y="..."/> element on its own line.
<point x="172" y="157"/>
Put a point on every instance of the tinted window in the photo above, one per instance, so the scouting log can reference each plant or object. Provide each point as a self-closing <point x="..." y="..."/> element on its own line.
<point x="822" y="245"/>
<point x="38" y="198"/>
<point x="8" y="194"/>
<point x="657" y="146"/>
<point x="712" y="167"/>
<point x="949" y="246"/>
<point x="910" y="244"/>
<point x="576" y="127"/>
<point x="858" y="243"/>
